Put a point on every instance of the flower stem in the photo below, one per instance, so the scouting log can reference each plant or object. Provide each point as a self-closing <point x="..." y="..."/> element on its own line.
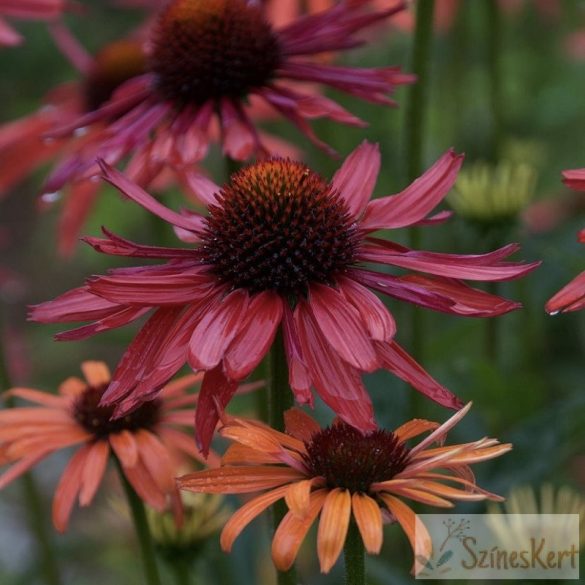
<point x="353" y="550"/>
<point x="142" y="530"/>
<point x="181" y="572"/>
<point x="494" y="40"/>
<point x="415" y="131"/>
<point x="32" y="495"/>
<point x="280" y="400"/>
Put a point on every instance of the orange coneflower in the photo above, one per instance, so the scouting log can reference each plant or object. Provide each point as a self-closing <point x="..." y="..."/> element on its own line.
<point x="340" y="474"/>
<point x="147" y="443"/>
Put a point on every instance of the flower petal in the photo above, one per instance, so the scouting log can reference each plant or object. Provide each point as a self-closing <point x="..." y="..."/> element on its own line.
<point x="570" y="298"/>
<point x="417" y="200"/>
<point x="300" y="425"/>
<point x="292" y="530"/>
<point x="94" y="468"/>
<point x="368" y="518"/>
<point x="242" y="517"/>
<point x="356" y="178"/>
<point x="333" y="525"/>
<point x="125" y="447"/>
<point x="395" y="359"/>
<point x="96" y="373"/>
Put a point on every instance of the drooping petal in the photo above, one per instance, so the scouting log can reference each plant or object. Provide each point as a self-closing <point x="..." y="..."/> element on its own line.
<point x="145" y="486"/>
<point x="298" y="375"/>
<point x="333" y="525"/>
<point x="156" y="460"/>
<point x="264" y="314"/>
<point x="368" y="518"/>
<point x="418" y="199"/>
<point x="376" y="317"/>
<point x="569" y="298"/>
<point x="94" y="468"/>
<point x="68" y="488"/>
<point x="248" y="512"/>
<point x="292" y="531"/>
<point x="216" y="391"/>
<point x="356" y="178"/>
<point x="125" y="447"/>
<point x="395" y="359"/>
<point x="342" y="327"/>
<point x="218" y="327"/>
<point x="298" y="495"/>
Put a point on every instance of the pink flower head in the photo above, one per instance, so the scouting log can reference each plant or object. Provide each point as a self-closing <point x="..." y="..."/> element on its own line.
<point x="26" y="10"/>
<point x="199" y="72"/>
<point x="281" y="248"/>
<point x="572" y="296"/>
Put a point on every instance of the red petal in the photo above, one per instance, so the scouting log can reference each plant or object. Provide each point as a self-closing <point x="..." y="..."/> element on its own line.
<point x="405" y="367"/>
<point x="569" y="298"/>
<point x="417" y="200"/>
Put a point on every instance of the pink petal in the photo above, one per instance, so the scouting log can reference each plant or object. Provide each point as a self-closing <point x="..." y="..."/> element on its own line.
<point x="135" y="193"/>
<point x="239" y="142"/>
<point x="574" y="179"/>
<point x="469" y="267"/>
<point x="216" y="391"/>
<point x="342" y="327"/>
<point x="94" y="468"/>
<point x="213" y="334"/>
<point x="395" y="359"/>
<point x="376" y="317"/>
<point x="338" y="384"/>
<point x="256" y="335"/>
<point x="569" y="298"/>
<point x="202" y="188"/>
<point x="416" y="201"/>
<point x="357" y="176"/>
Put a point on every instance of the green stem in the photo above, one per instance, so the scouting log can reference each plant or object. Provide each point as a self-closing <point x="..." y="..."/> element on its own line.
<point x="142" y="530"/>
<point x="494" y="41"/>
<point x="32" y="496"/>
<point x="181" y="572"/>
<point x="280" y="400"/>
<point x="355" y="566"/>
<point x="415" y="131"/>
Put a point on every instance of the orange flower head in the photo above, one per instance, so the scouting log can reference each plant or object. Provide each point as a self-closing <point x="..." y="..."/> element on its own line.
<point x="279" y="226"/>
<point x="336" y="474"/>
<point x="151" y="443"/>
<point x="112" y="66"/>
<point x="348" y="459"/>
<point x="209" y="49"/>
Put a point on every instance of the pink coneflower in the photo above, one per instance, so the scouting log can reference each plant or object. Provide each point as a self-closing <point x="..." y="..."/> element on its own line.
<point x="149" y="442"/>
<point x="26" y="10"/>
<point x="206" y="61"/>
<point x="572" y="296"/>
<point x="335" y="476"/>
<point x="281" y="248"/>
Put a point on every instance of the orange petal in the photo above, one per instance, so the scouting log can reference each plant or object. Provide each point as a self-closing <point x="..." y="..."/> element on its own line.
<point x="72" y="387"/>
<point x="145" y="486"/>
<point x="156" y="459"/>
<point x="68" y="488"/>
<point x="298" y="495"/>
<point x="180" y="385"/>
<point x="22" y="466"/>
<point x="238" y="480"/>
<point x="333" y="527"/>
<point x="368" y="518"/>
<point x="96" y="461"/>
<point x="414" y="428"/>
<point x="96" y="373"/>
<point x="478" y="455"/>
<point x="419" y="496"/>
<point x="44" y="398"/>
<point x="237" y="454"/>
<point x="449" y="492"/>
<point x="300" y="425"/>
<point x="242" y="517"/>
<point x="125" y="448"/>
<point x="439" y="433"/>
<point x="180" y="441"/>
<point x="415" y="530"/>
<point x="292" y="530"/>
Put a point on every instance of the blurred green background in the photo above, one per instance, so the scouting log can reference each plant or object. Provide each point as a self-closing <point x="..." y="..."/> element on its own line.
<point x="527" y="387"/>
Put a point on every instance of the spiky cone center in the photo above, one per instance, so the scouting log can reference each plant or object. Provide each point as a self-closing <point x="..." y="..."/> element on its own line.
<point x="350" y="460"/>
<point x="278" y="226"/>
<point x="210" y="49"/>
<point x="113" y="65"/>
<point x="98" y="419"/>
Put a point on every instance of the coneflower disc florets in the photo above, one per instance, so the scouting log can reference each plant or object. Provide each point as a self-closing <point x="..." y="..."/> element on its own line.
<point x="351" y="460"/>
<point x="278" y="226"/>
<point x="113" y="65"/>
<point x="98" y="420"/>
<point x="209" y="49"/>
